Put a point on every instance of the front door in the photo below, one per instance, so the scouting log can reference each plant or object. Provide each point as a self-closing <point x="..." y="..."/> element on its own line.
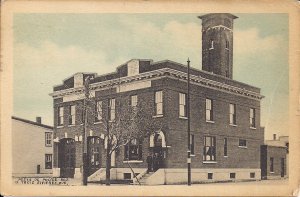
<point x="157" y="152"/>
<point x="94" y="161"/>
<point x="282" y="167"/>
<point x="67" y="158"/>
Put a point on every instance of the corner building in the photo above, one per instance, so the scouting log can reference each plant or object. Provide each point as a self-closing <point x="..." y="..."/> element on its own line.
<point x="225" y="117"/>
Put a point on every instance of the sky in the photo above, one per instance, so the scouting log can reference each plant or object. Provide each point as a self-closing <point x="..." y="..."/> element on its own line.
<point x="51" y="47"/>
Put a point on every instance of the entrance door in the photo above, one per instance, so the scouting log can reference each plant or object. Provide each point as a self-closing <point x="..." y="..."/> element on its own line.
<point x="94" y="161"/>
<point x="67" y="158"/>
<point x="282" y="167"/>
<point x="157" y="152"/>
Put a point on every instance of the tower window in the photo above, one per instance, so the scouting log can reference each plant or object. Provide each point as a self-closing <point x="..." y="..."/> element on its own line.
<point x="211" y="44"/>
<point x="227" y="44"/>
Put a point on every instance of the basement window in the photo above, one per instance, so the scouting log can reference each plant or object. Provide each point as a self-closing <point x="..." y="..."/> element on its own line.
<point x="252" y="175"/>
<point x="127" y="175"/>
<point x="232" y="175"/>
<point x="209" y="175"/>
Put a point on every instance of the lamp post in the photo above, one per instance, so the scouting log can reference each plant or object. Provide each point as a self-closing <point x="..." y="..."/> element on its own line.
<point x="189" y="122"/>
<point x="84" y="136"/>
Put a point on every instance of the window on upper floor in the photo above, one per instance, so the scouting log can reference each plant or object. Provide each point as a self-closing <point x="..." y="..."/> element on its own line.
<point x="134" y="102"/>
<point x="133" y="150"/>
<point x="158" y="103"/>
<point x="112" y="109"/>
<point x="242" y="143"/>
<point x="182" y="105"/>
<point x="98" y="109"/>
<point x="72" y="115"/>
<point x="227" y="44"/>
<point x="209" y="109"/>
<point x="211" y="44"/>
<point x="209" y="150"/>
<point x="48" y="139"/>
<point x="232" y="114"/>
<point x="48" y="161"/>
<point x="60" y="120"/>
<point x="252" y="117"/>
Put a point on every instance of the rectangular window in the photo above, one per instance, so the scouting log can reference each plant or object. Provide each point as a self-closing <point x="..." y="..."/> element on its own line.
<point x="232" y="175"/>
<point x="182" y="105"/>
<point x="232" y="114"/>
<point x="252" y="117"/>
<point x="112" y="111"/>
<point x="99" y="112"/>
<point x="48" y="139"/>
<point x="209" y="110"/>
<point x="252" y="175"/>
<point x="134" y="101"/>
<point x="72" y="115"/>
<point x="192" y="144"/>
<point x="209" y="175"/>
<point x="227" y="44"/>
<point x="209" y="150"/>
<point x="158" y="103"/>
<point x="48" y="161"/>
<point x="225" y="147"/>
<point x="60" y="116"/>
<point x="271" y="164"/>
<point x="133" y="150"/>
<point x="127" y="176"/>
<point x="242" y="143"/>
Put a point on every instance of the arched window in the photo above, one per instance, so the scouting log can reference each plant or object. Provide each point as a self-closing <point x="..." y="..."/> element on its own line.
<point x="211" y="44"/>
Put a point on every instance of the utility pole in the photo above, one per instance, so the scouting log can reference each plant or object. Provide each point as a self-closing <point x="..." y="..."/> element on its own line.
<point x="189" y="123"/>
<point x="84" y="136"/>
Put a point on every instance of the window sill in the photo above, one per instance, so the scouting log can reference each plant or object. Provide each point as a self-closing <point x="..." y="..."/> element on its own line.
<point x="208" y="162"/>
<point x="211" y="48"/>
<point x="210" y="121"/>
<point x="227" y="49"/>
<point x="242" y="146"/>
<point x="58" y="127"/>
<point x="158" y="116"/>
<point x="72" y="125"/>
<point x="192" y="155"/>
<point x="253" y="128"/>
<point x="133" y="161"/>
<point x="98" y="122"/>
<point x="272" y="172"/>
<point x="234" y="125"/>
<point x="111" y="121"/>
<point x="225" y="156"/>
<point x="183" y="117"/>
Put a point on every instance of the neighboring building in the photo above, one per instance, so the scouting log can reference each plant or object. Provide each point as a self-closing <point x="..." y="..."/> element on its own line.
<point x="225" y="117"/>
<point x="275" y="158"/>
<point x="32" y="149"/>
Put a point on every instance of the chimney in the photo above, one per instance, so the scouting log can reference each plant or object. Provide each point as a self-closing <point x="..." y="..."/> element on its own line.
<point x="274" y="136"/>
<point x="39" y="120"/>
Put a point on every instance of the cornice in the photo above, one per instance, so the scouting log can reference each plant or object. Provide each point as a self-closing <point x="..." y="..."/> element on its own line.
<point x="167" y="72"/>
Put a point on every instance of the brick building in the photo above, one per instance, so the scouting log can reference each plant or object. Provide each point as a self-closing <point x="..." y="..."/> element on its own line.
<point x="225" y="117"/>
<point x="275" y="158"/>
<point x="32" y="148"/>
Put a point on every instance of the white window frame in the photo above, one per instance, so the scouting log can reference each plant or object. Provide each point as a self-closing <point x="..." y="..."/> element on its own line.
<point x="48" y="159"/>
<point x="210" y="143"/>
<point x="112" y="109"/>
<point x="211" y="44"/>
<point x="60" y="120"/>
<point x="242" y="145"/>
<point x="99" y="112"/>
<point x="48" y="139"/>
<point x="72" y="115"/>
<point x="232" y="114"/>
<point x="159" y="103"/>
<point x="182" y="105"/>
<point x="209" y="110"/>
<point x="252" y="118"/>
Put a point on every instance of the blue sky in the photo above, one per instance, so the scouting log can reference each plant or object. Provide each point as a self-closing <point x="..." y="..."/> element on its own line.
<point x="51" y="47"/>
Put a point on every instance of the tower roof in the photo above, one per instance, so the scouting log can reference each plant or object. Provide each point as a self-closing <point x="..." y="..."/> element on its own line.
<point x="217" y="14"/>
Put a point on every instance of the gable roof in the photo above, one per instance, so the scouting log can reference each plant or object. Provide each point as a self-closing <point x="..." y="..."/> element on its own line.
<point x="32" y="122"/>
